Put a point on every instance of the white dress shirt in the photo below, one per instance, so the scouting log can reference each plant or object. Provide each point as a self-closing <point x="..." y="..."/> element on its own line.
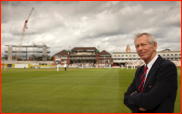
<point x="150" y="64"/>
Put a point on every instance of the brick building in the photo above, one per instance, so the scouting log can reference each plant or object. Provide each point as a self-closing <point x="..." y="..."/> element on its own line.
<point x="83" y="55"/>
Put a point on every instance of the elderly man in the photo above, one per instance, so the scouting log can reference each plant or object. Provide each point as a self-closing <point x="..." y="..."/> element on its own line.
<point x="154" y="86"/>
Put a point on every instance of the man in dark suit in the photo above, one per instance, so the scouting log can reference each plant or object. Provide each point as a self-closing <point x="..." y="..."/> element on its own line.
<point x="154" y="86"/>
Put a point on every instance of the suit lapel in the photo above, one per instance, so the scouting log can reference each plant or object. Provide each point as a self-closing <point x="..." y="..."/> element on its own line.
<point x="152" y="71"/>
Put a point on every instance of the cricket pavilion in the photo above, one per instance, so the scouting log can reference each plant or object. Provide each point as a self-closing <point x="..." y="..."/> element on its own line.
<point x="83" y="55"/>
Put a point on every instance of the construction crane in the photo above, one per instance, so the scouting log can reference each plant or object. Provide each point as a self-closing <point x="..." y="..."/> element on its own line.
<point x="23" y="32"/>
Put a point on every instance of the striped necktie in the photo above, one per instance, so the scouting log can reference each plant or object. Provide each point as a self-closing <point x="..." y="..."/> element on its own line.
<point x="141" y="86"/>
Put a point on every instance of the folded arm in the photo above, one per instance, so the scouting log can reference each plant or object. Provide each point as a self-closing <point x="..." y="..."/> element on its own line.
<point x="166" y="82"/>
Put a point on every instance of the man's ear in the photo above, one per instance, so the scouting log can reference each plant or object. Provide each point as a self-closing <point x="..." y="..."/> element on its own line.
<point x="155" y="46"/>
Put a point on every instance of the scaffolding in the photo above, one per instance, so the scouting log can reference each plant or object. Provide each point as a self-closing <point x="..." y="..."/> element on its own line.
<point x="28" y="52"/>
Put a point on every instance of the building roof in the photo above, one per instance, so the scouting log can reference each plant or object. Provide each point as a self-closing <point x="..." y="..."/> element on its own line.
<point x="63" y="52"/>
<point x="124" y="52"/>
<point x="38" y="46"/>
<point x="136" y="52"/>
<point x="104" y="53"/>
<point x="84" y="48"/>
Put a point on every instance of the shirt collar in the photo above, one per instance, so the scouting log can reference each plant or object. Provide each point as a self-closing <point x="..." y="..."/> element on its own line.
<point x="149" y="65"/>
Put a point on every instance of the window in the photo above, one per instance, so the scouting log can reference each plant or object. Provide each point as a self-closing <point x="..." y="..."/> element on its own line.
<point x="118" y="55"/>
<point x="130" y="55"/>
<point x="163" y="54"/>
<point x="126" y="55"/>
<point x="122" y="55"/>
<point x="167" y="54"/>
<point x="100" y="61"/>
<point x="171" y="54"/>
<point x="114" y="55"/>
<point x="106" y="61"/>
<point x="176" y="54"/>
<point x="134" y="55"/>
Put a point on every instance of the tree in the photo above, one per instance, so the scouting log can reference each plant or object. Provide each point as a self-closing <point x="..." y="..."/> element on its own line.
<point x="52" y="58"/>
<point x="5" y="57"/>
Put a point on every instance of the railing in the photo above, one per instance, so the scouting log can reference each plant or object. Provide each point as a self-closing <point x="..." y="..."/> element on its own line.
<point x="105" y="57"/>
<point x="82" y="58"/>
<point x="81" y="54"/>
<point x="63" y="57"/>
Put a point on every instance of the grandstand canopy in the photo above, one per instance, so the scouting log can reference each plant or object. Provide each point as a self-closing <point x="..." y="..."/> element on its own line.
<point x="84" y="49"/>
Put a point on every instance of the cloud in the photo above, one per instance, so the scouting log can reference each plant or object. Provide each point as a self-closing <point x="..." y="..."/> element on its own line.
<point x="111" y="25"/>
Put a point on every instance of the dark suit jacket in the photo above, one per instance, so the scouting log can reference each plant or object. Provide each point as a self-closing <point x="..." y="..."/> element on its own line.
<point x="159" y="93"/>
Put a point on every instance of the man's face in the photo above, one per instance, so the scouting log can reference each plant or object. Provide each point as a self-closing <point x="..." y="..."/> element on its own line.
<point x="144" y="49"/>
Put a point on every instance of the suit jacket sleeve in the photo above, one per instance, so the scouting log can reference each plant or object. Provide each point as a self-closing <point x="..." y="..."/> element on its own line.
<point x="165" y="83"/>
<point x="131" y="89"/>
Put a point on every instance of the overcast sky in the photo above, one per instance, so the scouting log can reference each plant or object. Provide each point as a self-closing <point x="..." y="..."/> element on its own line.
<point x="111" y="25"/>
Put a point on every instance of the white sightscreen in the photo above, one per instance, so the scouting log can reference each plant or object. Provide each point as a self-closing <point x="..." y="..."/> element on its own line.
<point x="21" y="65"/>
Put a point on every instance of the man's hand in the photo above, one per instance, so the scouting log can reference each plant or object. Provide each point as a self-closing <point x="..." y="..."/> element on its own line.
<point x="142" y="109"/>
<point x="133" y="92"/>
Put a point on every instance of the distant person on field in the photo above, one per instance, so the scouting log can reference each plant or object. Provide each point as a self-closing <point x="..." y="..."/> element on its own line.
<point x="58" y="65"/>
<point x="154" y="86"/>
<point x="65" y="67"/>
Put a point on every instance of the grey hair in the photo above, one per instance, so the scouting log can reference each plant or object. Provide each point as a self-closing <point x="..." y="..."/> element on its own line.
<point x="151" y="38"/>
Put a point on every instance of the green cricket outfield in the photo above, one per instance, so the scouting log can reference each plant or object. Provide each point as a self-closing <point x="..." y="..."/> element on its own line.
<point x="89" y="90"/>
